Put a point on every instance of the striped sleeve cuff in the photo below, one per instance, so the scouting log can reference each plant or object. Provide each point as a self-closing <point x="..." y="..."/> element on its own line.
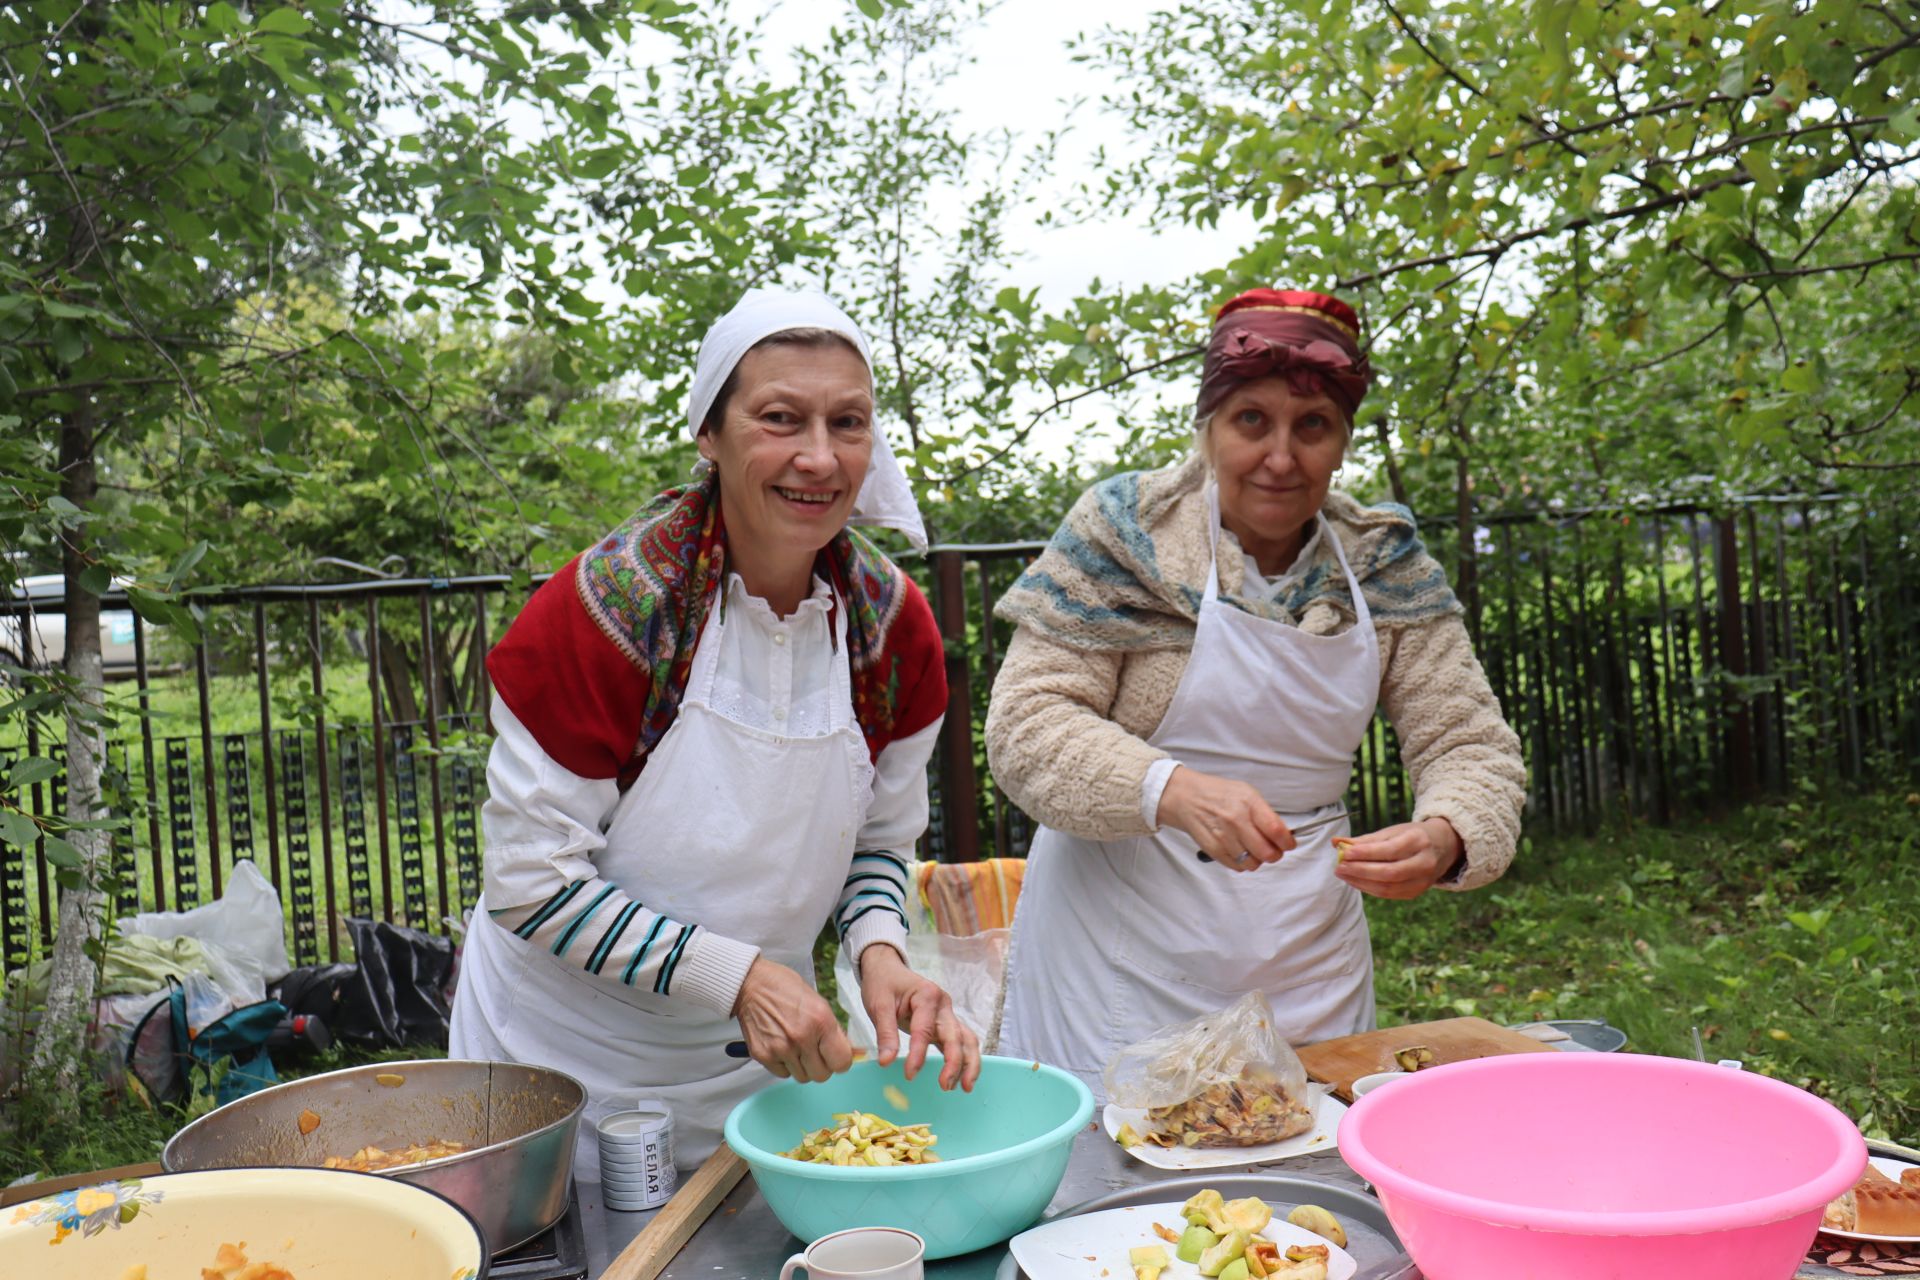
<point x="876" y="885"/>
<point x="712" y="970"/>
<point x="875" y="926"/>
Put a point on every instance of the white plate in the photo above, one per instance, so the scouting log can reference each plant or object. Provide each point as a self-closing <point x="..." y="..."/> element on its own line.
<point x="1093" y="1246"/>
<point x="1891" y="1167"/>
<point x="1327" y="1111"/>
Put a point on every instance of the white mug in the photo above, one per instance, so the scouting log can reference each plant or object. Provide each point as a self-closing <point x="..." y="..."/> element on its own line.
<point x="862" y="1253"/>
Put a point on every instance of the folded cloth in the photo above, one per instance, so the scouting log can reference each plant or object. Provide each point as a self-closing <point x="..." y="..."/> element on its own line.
<point x="971" y="897"/>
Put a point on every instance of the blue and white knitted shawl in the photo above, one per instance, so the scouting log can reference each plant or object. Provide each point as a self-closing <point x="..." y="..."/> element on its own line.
<point x="1127" y="569"/>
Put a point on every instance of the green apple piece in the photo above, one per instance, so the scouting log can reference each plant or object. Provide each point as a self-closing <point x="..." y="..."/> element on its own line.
<point x="1194" y="1241"/>
<point x="1207" y="1209"/>
<point x="1235" y="1270"/>
<point x="1214" y="1259"/>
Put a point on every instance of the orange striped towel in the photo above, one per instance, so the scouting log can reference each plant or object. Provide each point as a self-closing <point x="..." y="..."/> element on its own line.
<point x="971" y="897"/>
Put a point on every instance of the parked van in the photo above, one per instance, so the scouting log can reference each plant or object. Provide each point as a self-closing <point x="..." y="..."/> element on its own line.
<point x="50" y="629"/>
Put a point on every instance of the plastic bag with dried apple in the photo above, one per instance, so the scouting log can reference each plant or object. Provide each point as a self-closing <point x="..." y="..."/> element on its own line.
<point x="1227" y="1079"/>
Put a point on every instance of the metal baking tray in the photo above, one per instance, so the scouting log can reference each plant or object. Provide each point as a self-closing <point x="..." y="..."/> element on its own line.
<point x="1370" y="1238"/>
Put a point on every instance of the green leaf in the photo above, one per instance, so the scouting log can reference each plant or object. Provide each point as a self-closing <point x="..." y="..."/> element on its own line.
<point x="96" y="578"/>
<point x="1905" y="124"/>
<point x="872" y="8"/>
<point x="1734" y="77"/>
<point x="150" y="607"/>
<point x="67" y="310"/>
<point x="68" y="344"/>
<point x="63" y="854"/>
<point x="223" y="17"/>
<point x="182" y="567"/>
<point x="17" y="829"/>
<point x="284" y="22"/>
<point x="594" y="165"/>
<point x="1800" y="377"/>
<point x="1812" y="922"/>
<point x="29" y="771"/>
<point x="1736" y="322"/>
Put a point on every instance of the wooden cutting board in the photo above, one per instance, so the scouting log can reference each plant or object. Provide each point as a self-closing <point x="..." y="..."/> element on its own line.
<point x="648" y="1253"/>
<point x="1340" y="1062"/>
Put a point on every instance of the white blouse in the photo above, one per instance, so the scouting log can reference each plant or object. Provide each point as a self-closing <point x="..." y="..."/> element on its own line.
<point x="543" y="824"/>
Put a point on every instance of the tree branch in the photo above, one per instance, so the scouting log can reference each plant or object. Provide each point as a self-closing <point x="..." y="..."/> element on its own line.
<point x="1061" y="402"/>
<point x="91" y="384"/>
<point x="1864" y="265"/>
<point x="1547" y="132"/>
<point x="1739" y="141"/>
<point x="1686" y="195"/>
<point x="1881" y="55"/>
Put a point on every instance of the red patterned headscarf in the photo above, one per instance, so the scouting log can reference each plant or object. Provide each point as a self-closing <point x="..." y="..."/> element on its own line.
<point x="1310" y="339"/>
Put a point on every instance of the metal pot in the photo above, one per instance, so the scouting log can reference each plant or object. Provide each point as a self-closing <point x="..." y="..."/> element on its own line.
<point x="518" y="1124"/>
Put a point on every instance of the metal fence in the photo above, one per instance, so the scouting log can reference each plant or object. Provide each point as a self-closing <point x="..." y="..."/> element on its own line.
<point x="1655" y="663"/>
<point x="375" y="816"/>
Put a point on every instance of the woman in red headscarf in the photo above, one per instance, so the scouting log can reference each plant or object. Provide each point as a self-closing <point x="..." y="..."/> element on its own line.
<point x="1198" y="653"/>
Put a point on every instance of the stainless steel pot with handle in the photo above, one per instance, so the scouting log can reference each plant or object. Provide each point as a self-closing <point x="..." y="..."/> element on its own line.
<point x="518" y="1124"/>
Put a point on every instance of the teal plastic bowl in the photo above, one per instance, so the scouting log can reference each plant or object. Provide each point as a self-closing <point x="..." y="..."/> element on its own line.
<point x="1003" y="1150"/>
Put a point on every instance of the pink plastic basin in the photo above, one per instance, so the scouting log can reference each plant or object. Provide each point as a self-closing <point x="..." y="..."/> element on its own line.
<point x="1578" y="1166"/>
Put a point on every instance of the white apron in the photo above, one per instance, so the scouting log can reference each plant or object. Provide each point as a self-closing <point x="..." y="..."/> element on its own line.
<point x="1116" y="939"/>
<point x="746" y="832"/>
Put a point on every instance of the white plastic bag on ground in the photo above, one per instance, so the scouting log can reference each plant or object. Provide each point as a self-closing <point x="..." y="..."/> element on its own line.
<point x="244" y="933"/>
<point x="971" y="969"/>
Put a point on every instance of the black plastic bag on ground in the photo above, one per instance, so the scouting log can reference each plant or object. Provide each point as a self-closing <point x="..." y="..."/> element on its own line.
<point x="399" y="992"/>
<point x="316" y="990"/>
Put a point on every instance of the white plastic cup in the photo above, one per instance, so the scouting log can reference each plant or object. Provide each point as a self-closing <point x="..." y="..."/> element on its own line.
<point x="1367" y="1084"/>
<point x="636" y="1158"/>
<point x="862" y="1253"/>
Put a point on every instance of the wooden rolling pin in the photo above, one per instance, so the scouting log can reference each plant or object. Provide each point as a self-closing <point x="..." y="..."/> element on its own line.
<point x="648" y="1253"/>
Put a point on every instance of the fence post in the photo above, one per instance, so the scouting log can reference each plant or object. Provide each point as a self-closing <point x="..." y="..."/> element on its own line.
<point x="207" y="770"/>
<point x="1733" y="652"/>
<point x="266" y="745"/>
<point x="958" y="786"/>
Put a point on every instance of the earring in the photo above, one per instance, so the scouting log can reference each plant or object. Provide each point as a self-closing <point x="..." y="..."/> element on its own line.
<point x="701" y="466"/>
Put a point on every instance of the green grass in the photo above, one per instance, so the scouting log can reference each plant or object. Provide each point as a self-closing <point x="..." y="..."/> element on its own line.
<point x="1785" y="932"/>
<point x="109" y="1128"/>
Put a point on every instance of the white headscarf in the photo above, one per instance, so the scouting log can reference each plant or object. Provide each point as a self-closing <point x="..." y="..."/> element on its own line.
<point x="885" y="499"/>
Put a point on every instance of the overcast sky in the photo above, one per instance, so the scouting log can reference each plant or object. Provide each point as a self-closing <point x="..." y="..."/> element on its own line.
<point x="1020" y="80"/>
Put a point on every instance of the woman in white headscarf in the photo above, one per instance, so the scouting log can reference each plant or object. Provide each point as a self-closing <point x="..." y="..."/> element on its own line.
<point x="712" y="732"/>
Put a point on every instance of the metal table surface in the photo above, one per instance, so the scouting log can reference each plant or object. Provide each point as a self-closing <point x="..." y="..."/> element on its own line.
<point x="744" y="1241"/>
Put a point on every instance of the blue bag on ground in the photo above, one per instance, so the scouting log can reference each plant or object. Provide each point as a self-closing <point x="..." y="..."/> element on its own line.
<point x="228" y="1055"/>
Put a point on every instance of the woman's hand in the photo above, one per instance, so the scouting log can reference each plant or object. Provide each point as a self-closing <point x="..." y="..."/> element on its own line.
<point x="1401" y="861"/>
<point x="895" y="996"/>
<point x="1228" y="819"/>
<point x="788" y="1026"/>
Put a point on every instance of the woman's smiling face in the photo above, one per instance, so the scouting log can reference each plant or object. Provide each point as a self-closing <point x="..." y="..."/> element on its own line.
<point x="792" y="446"/>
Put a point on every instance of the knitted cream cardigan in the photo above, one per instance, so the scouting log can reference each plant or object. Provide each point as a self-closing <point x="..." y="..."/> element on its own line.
<point x="1068" y="723"/>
